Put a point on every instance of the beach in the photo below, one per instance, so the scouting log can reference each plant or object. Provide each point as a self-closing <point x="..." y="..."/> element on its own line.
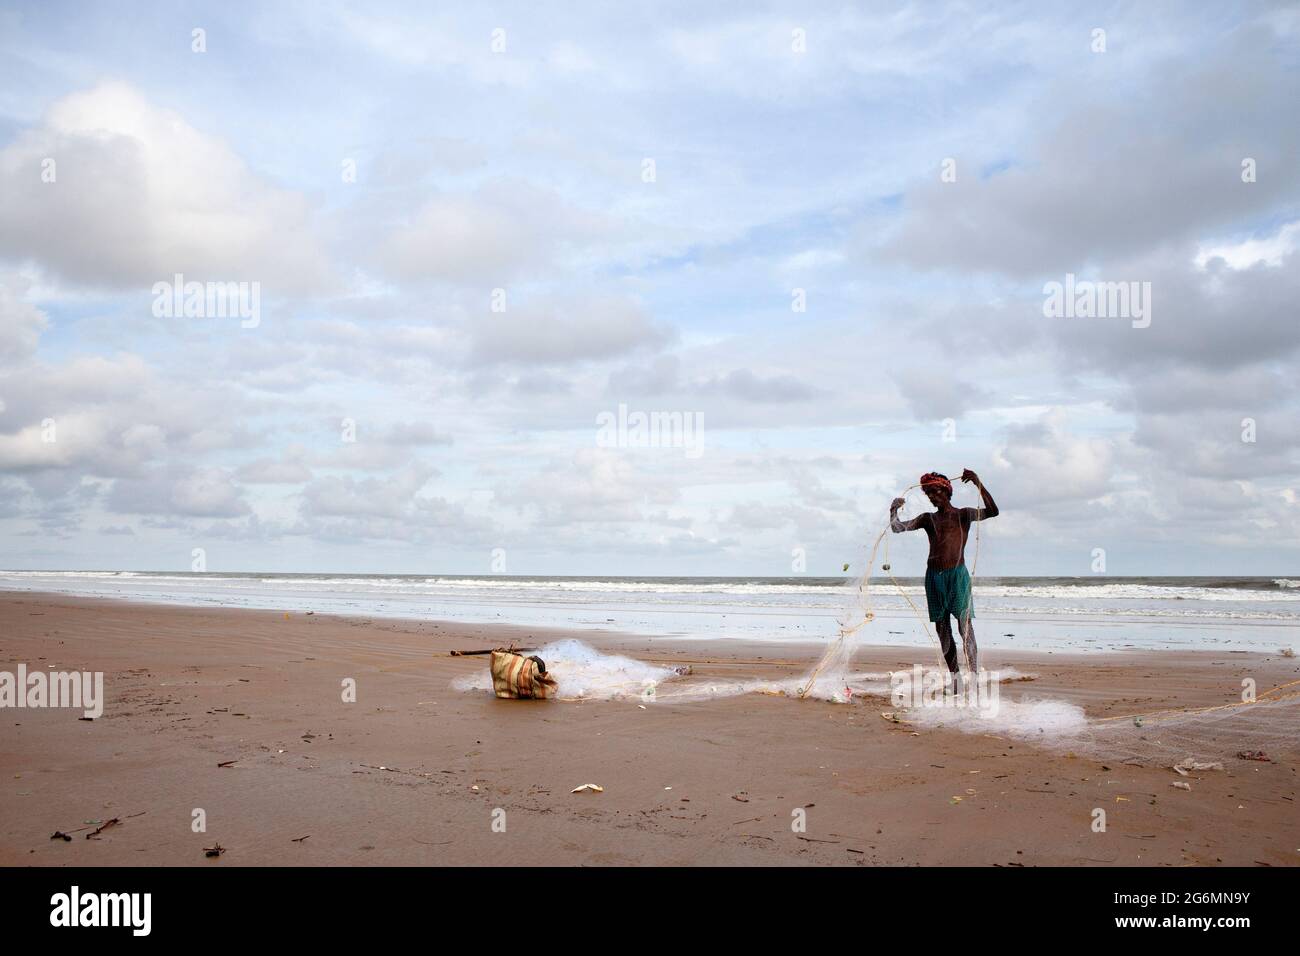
<point x="236" y="716"/>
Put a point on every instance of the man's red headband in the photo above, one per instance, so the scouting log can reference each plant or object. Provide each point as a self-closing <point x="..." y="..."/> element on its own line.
<point x="935" y="480"/>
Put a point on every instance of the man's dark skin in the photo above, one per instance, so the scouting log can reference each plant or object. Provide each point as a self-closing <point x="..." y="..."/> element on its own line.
<point x="948" y="527"/>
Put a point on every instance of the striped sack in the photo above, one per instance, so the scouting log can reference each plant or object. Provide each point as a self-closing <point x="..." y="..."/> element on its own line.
<point x="515" y="676"/>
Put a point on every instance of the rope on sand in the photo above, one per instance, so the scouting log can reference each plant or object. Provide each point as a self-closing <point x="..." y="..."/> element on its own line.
<point x="1263" y="698"/>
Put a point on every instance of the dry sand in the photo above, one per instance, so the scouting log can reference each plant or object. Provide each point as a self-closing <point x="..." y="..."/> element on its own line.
<point x="412" y="772"/>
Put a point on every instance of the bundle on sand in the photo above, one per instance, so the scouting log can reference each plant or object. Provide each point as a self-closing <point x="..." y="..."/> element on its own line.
<point x="517" y="677"/>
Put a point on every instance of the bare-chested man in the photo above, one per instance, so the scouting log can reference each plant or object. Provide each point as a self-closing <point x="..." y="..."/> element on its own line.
<point x="947" y="582"/>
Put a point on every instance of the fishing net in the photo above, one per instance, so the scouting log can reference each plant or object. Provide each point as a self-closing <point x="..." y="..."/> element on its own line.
<point x="1268" y="727"/>
<point x="885" y="603"/>
<point x="583" y="673"/>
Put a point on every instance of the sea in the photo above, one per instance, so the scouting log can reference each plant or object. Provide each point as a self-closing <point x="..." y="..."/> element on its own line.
<point x="1033" y="613"/>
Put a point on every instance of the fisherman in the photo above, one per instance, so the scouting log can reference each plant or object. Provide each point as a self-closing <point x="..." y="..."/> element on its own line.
<point x="947" y="582"/>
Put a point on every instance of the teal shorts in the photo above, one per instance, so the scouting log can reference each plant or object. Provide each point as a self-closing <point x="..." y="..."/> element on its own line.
<point x="948" y="592"/>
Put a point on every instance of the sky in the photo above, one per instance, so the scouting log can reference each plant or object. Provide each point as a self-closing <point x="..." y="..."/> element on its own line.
<point x="819" y="237"/>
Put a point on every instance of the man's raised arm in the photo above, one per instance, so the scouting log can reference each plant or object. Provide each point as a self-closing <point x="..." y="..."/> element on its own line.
<point x="895" y="525"/>
<point x="990" y="509"/>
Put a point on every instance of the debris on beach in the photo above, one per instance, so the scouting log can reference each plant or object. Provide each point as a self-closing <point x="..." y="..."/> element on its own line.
<point x="1287" y="651"/>
<point x="1183" y="766"/>
<point x="214" y="851"/>
<point x="103" y="826"/>
<point x="60" y="835"/>
<point x="588" y="786"/>
<point x="512" y="649"/>
<point x="1254" y="755"/>
<point x="1181" y="785"/>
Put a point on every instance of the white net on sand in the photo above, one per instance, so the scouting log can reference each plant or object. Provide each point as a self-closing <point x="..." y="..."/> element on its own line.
<point x="584" y="673"/>
<point x="1267" y="728"/>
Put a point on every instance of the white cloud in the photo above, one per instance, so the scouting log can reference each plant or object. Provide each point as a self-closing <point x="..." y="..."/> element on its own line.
<point x="180" y="492"/>
<point x="21" y="324"/>
<point x="268" y="471"/>
<point x="1269" y="251"/>
<point x="1046" y="463"/>
<point x="139" y="195"/>
<point x="561" y="331"/>
<point x="502" y="230"/>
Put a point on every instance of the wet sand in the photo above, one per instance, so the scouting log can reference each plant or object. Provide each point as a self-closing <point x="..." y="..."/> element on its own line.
<point x="414" y="772"/>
